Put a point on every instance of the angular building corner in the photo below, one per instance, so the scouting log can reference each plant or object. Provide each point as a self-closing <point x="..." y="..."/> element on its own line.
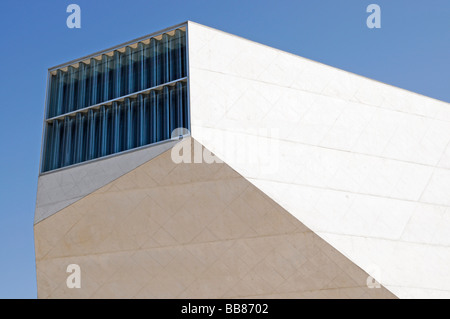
<point x="325" y="179"/>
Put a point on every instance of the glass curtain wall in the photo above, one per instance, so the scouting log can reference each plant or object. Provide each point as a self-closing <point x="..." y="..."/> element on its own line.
<point x="155" y="66"/>
<point x="118" y="73"/>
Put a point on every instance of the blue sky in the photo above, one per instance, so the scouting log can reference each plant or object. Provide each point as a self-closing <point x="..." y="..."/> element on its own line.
<point x="411" y="51"/>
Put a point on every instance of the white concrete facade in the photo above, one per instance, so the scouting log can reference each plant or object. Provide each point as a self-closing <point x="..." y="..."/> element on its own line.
<point x="363" y="164"/>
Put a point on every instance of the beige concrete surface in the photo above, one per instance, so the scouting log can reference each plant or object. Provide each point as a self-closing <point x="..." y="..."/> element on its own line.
<point x="189" y="230"/>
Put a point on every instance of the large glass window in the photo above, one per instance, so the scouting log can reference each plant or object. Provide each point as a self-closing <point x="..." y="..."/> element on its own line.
<point x="120" y="100"/>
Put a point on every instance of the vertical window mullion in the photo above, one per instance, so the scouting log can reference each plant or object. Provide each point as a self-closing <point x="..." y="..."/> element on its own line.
<point x="172" y="110"/>
<point x="71" y="93"/>
<point x="79" y="139"/>
<point x="182" y="43"/>
<point x="56" y="144"/>
<point x="65" y="99"/>
<point x="142" y="67"/>
<point x="166" y="113"/>
<point x="67" y="141"/>
<point x="184" y="98"/>
<point x="151" y="66"/>
<point x="60" y="96"/>
<point x="154" y="116"/>
<point x="116" y="121"/>
<point x="124" y="75"/>
<point x="100" y="77"/>
<point x="178" y="54"/>
<point x="123" y="126"/>
<point x="159" y="116"/>
<point x="91" y="142"/>
<point x="51" y="109"/>
<point x="106" y="79"/>
<point x="88" y="86"/>
<point x="147" y="65"/>
<point x="145" y="119"/>
<point x="94" y="81"/>
<point x="137" y="72"/>
<point x="166" y="58"/>
<point x="109" y="137"/>
<point x="97" y="134"/>
<point x="130" y="74"/>
<point x="81" y="85"/>
<point x="141" y="129"/>
<point x="180" y="105"/>
<point x="129" y="131"/>
<point x="117" y="75"/>
<point x="172" y="57"/>
<point x="104" y="131"/>
<point x="63" y="141"/>
<point x="160" y="62"/>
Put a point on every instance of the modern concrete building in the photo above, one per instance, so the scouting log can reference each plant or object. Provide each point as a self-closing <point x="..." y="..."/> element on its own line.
<point x="293" y="179"/>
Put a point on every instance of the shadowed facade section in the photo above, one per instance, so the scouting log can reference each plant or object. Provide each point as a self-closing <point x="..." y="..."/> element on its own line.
<point x="189" y="230"/>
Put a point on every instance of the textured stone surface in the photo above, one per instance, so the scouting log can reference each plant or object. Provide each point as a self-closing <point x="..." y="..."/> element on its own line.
<point x="168" y="230"/>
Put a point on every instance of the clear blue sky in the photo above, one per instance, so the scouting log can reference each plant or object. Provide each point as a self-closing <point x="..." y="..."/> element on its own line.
<point x="411" y="51"/>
